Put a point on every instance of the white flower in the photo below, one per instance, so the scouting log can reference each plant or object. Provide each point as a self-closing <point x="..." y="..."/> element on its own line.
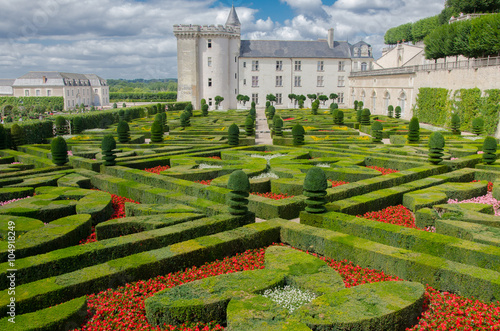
<point x="289" y="297"/>
<point x="265" y="175"/>
<point x="208" y="166"/>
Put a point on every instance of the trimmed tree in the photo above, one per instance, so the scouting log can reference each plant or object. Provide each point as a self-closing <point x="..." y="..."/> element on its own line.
<point x="252" y="113"/>
<point x="233" y="135"/>
<point x="239" y="185"/>
<point x="397" y="112"/>
<point x="108" y="146"/>
<point x="365" y="116"/>
<point x="204" y="110"/>
<point x="477" y="126"/>
<point x="60" y="123"/>
<point x="185" y="119"/>
<point x="315" y="185"/>
<point x="334" y="96"/>
<point x="455" y="124"/>
<point x="123" y="131"/>
<point x="156" y="132"/>
<point x="77" y="125"/>
<point x="249" y="126"/>
<point x="218" y="100"/>
<point x="298" y="134"/>
<point x="189" y="109"/>
<point x="323" y="98"/>
<point x="359" y="112"/>
<point x="339" y="119"/>
<point x="164" y="121"/>
<point x="413" y="131"/>
<point x="489" y="150"/>
<point x="59" y="151"/>
<point x="436" y="148"/>
<point x="271" y="111"/>
<point x="356" y="104"/>
<point x="315" y="106"/>
<point x="17" y="135"/>
<point x="390" y="111"/>
<point x="121" y="115"/>
<point x="333" y="106"/>
<point x="377" y="129"/>
<point x="278" y="126"/>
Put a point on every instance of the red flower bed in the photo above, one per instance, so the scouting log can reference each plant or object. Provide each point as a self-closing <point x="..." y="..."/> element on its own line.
<point x="215" y="157"/>
<point x="490" y="185"/>
<point x="157" y="170"/>
<point x="336" y="183"/>
<point x="289" y="119"/>
<point x="271" y="195"/>
<point x="384" y="171"/>
<point x="204" y="182"/>
<point x="398" y="215"/>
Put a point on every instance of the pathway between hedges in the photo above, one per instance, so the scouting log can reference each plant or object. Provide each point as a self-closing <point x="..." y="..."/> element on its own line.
<point x="262" y="132"/>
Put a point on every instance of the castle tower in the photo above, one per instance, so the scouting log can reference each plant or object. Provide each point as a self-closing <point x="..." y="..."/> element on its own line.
<point x="207" y="62"/>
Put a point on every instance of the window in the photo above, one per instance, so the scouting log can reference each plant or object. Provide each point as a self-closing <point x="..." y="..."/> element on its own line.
<point x="69" y="105"/>
<point x="26" y="93"/>
<point x="341" y="81"/>
<point x="73" y="102"/>
<point x="364" y="66"/>
<point x="244" y="82"/>
<point x="341" y="66"/>
<point x="209" y="61"/>
<point x="210" y="82"/>
<point x="279" y="65"/>
<point x="340" y="98"/>
<point x="49" y="93"/>
<point x="255" y="65"/>
<point x="297" y="81"/>
<point x="72" y="92"/>
<point x="244" y="64"/>
<point x="321" y="66"/>
<point x="210" y="102"/>
<point x="94" y="91"/>
<point x="279" y="99"/>
<point x="319" y="81"/>
<point x="37" y="93"/>
<point x="68" y="93"/>
<point x="255" y="81"/>
<point x="209" y="43"/>
<point x="279" y="81"/>
<point x="298" y="65"/>
<point x="235" y="76"/>
<point x="255" y="98"/>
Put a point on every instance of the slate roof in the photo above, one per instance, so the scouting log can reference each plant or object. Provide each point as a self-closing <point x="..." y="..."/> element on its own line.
<point x="294" y="49"/>
<point x="55" y="78"/>
<point x="233" y="19"/>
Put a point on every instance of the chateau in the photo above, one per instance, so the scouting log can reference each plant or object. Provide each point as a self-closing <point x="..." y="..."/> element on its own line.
<point x="214" y="61"/>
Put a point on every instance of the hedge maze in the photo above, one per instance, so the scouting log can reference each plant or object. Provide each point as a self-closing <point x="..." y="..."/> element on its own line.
<point x="70" y="231"/>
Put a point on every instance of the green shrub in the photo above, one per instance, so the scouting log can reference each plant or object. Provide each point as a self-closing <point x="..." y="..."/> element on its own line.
<point x="59" y="151"/>
<point x="360" y="104"/>
<point x="455" y="124"/>
<point x="233" y="135"/>
<point x="314" y="107"/>
<point x="253" y="113"/>
<point x="315" y="185"/>
<point x="413" y="131"/>
<point x="60" y="123"/>
<point x="156" y="132"/>
<point x="271" y="112"/>
<point x="278" y="126"/>
<point x="239" y="185"/>
<point x="333" y="106"/>
<point x="436" y="148"/>
<point x="3" y="137"/>
<point x="249" y="126"/>
<point x="390" y="111"/>
<point x="365" y="117"/>
<point x="204" y="110"/>
<point x="108" y="146"/>
<point x="123" y="132"/>
<point x="77" y="125"/>
<point x="339" y="119"/>
<point x="359" y="112"/>
<point x="121" y="115"/>
<point x="356" y="104"/>
<point x="478" y="126"/>
<point x="489" y="150"/>
<point x="377" y="129"/>
<point x="164" y="121"/>
<point x="398" y="112"/>
<point x="298" y="134"/>
<point x="115" y="105"/>
<point x="185" y="119"/>
<point x="127" y="115"/>
<point x="189" y="109"/>
<point x="203" y="102"/>
<point x="17" y="135"/>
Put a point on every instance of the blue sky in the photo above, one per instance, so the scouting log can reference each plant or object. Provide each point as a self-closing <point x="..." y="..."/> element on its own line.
<point x="134" y="38"/>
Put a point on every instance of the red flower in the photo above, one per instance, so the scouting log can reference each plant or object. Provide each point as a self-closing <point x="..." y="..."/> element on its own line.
<point x="157" y="169"/>
<point x="384" y="171"/>
<point x="271" y="195"/>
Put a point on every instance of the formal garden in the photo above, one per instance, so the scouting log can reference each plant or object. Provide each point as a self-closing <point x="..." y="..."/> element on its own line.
<point x="167" y="217"/>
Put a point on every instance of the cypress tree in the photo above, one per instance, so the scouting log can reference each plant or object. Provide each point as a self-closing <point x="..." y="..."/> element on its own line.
<point x="298" y="134"/>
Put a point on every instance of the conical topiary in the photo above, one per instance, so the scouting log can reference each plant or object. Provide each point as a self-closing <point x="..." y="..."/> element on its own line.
<point x="333" y="106"/>
<point x="339" y="120"/>
<point x="159" y="119"/>
<point x="189" y="109"/>
<point x="477" y="126"/>
<point x="298" y="134"/>
<point x="60" y="123"/>
<point x="390" y="111"/>
<point x="359" y="112"/>
<point x="365" y="117"/>
<point x="253" y="113"/>
<point x="123" y="131"/>
<point x="127" y="115"/>
<point x="233" y="135"/>
<point x="204" y="110"/>
<point x="17" y="135"/>
<point x="314" y="107"/>
<point x="271" y="112"/>
<point x="121" y="115"/>
<point x="377" y="129"/>
<point x="413" y="131"/>
<point x="185" y="119"/>
<point x="59" y="151"/>
<point x="278" y="126"/>
<point x="239" y="185"/>
<point x="249" y="126"/>
<point x="397" y="112"/>
<point x="315" y="185"/>
<point x="108" y="146"/>
<point x="3" y="137"/>
<point x="489" y="150"/>
<point x="455" y="124"/>
<point x="156" y="132"/>
<point x="77" y="125"/>
<point x="436" y="148"/>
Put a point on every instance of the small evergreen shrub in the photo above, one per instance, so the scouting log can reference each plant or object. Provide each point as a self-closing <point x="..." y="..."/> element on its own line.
<point x="233" y="135"/>
<point x="413" y="131"/>
<point x="315" y="185"/>
<point x="239" y="185"/>
<point x="124" y="105"/>
<point x="164" y="121"/>
<point x="477" y="126"/>
<point x="203" y="102"/>
<point x="339" y="120"/>
<point x="298" y="134"/>
<point x="60" y="123"/>
<point x="59" y="151"/>
<point x="314" y="107"/>
<point x="189" y="109"/>
<point x="252" y="112"/>
<point x="278" y="126"/>
<point x="159" y="119"/>
<point x="334" y="113"/>
<point x="271" y="112"/>
<point x="365" y="117"/>
<point x="377" y="129"/>
<point x="77" y="125"/>
<point x="398" y="112"/>
<point x="249" y="126"/>
<point x="252" y="105"/>
<point x="156" y="132"/>
<point x="436" y="148"/>
<point x="359" y="112"/>
<point x="17" y="135"/>
<point x="489" y="150"/>
<point x="390" y="111"/>
<point x="333" y="106"/>
<point x="185" y="119"/>
<point x="360" y="104"/>
<point x="455" y="124"/>
<point x="355" y="104"/>
<point x="121" y="115"/>
<point x="115" y="105"/>
<point x="123" y="131"/>
<point x="204" y="110"/>
<point x="108" y="146"/>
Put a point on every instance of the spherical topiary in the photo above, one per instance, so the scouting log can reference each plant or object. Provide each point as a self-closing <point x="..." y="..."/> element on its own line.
<point x="233" y="135"/>
<point x="156" y="132"/>
<point x="315" y="185"/>
<point x="121" y="115"/>
<point x="360" y="105"/>
<point x="398" y="112"/>
<point x="298" y="134"/>
<point x="339" y="120"/>
<point x="108" y="146"/>
<point x="377" y="129"/>
<point x="359" y="112"/>
<point x="3" y="138"/>
<point x="77" y="125"/>
<point x="59" y="151"/>
<point x="204" y="110"/>
<point x="123" y="131"/>
<point x="17" y="135"/>
<point x="185" y="119"/>
<point x="413" y="131"/>
<point x="455" y="124"/>
<point x="477" y="126"/>
<point x="390" y="111"/>
<point x="436" y="148"/>
<point x="314" y="107"/>
<point x="278" y="126"/>
<point x="489" y="150"/>
<point x="127" y="115"/>
<point x="249" y="126"/>
<point x="60" y="123"/>
<point x="365" y="117"/>
<point x="239" y="185"/>
<point x="333" y="106"/>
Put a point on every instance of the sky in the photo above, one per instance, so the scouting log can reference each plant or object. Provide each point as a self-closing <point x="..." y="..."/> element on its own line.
<point x="133" y="38"/>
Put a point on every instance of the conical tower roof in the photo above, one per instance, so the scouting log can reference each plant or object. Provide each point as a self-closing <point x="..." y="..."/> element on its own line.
<point x="233" y="19"/>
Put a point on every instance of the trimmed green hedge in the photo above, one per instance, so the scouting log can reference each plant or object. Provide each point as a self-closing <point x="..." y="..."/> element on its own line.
<point x="28" y="102"/>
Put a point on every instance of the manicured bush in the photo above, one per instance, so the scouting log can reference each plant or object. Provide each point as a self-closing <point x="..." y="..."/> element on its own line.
<point x="17" y="135"/>
<point x="436" y="148"/>
<point x="239" y="185"/>
<point x="108" y="146"/>
<point x="271" y="111"/>
<point x="278" y="126"/>
<point x="377" y="129"/>
<point x="189" y="109"/>
<point x="3" y="137"/>
<point x="204" y="110"/>
<point x="218" y="100"/>
<point x="315" y="185"/>
<point x="359" y="112"/>
<point x="159" y="119"/>
<point x="365" y="117"/>
<point x="115" y="105"/>
<point x="249" y="126"/>
<point x="60" y="123"/>
<point x="334" y="113"/>
<point x="413" y="130"/>
<point x="156" y="132"/>
<point x="398" y="112"/>
<point x="298" y="134"/>
<point x="252" y="112"/>
<point x="77" y="125"/>
<point x="477" y="126"/>
<point x="390" y="111"/>
<point x="489" y="150"/>
<point x="124" y="105"/>
<point x="121" y="115"/>
<point x="356" y="104"/>
<point x="164" y="121"/>
<point x="339" y="119"/>
<point x="185" y="119"/>
<point x="233" y="135"/>
<point x="123" y="131"/>
<point x="59" y="151"/>
<point x="360" y="104"/>
<point x="333" y="106"/>
<point x="314" y="107"/>
<point x="455" y="124"/>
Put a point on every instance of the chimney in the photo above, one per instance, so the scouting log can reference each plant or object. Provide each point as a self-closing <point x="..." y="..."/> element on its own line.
<point x="330" y="37"/>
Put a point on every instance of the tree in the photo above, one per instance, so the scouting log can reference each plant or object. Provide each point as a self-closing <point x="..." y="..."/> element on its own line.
<point x="249" y="126"/>
<point x="477" y="126"/>
<point x="365" y="116"/>
<point x="398" y="112"/>
<point x="218" y="100"/>
<point x="301" y="98"/>
<point x="60" y="123"/>
<point x="204" y="110"/>
<point x="421" y="28"/>
<point x="414" y="130"/>
<point x="455" y="124"/>
<point x="156" y="132"/>
<point x="271" y="98"/>
<point x="298" y="134"/>
<point x="185" y="119"/>
<point x="292" y="97"/>
<point x="390" y="111"/>
<point x="314" y="107"/>
<point x="278" y="126"/>
<point x="323" y="98"/>
<point x="312" y="97"/>
<point x="377" y="129"/>
<point x="333" y="96"/>
<point x="123" y="132"/>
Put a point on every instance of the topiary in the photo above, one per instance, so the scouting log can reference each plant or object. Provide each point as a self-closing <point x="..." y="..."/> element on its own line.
<point x="390" y="111"/>
<point x="164" y="122"/>
<point x="334" y="113"/>
<point x="121" y="115"/>
<point x="123" y="132"/>
<point x="108" y="146"/>
<point x="271" y="111"/>
<point x="124" y="105"/>
<point x="249" y="126"/>
<point x="17" y="135"/>
<point x="159" y="119"/>
<point x="115" y="105"/>
<point x="233" y="135"/>
<point x="333" y="106"/>
<point x="397" y="111"/>
<point x="360" y="105"/>
<point x="77" y="125"/>
<point x="455" y="124"/>
<point x="59" y="151"/>
<point x="203" y="102"/>
<point x="189" y="109"/>
<point x="185" y="119"/>
<point x="253" y="113"/>
<point x="489" y="150"/>
<point x="60" y="123"/>
<point x="239" y="185"/>
<point x="358" y="115"/>
<point x="377" y="129"/>
<point x="315" y="185"/>
<point x="314" y="107"/>
<point x="355" y="104"/>
<point x="365" y="117"/>
<point x="252" y="105"/>
<point x="339" y="120"/>
<point x="156" y="132"/>
<point x="436" y="148"/>
<point x="3" y="137"/>
<point x="278" y="126"/>
<point x="477" y="126"/>
<point x="127" y="115"/>
<point x="204" y="110"/>
<point x="413" y="130"/>
<point x="298" y="134"/>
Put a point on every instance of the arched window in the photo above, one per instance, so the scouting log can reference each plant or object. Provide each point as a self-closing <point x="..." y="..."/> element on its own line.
<point x="402" y="102"/>
<point x="364" y="66"/>
<point x="374" y="101"/>
<point x="387" y="97"/>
